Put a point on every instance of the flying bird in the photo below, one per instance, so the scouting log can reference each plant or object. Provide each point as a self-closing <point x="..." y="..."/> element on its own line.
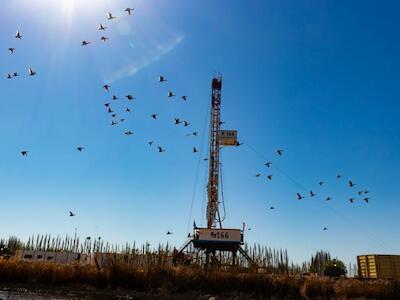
<point x="351" y="184"/>
<point x="115" y="97"/>
<point x="113" y="115"/>
<point x="160" y="149"/>
<point x="128" y="132"/>
<point x="150" y="143"/>
<point x="186" y="123"/>
<point x="269" y="177"/>
<point x="366" y="199"/>
<point x="130" y="97"/>
<point x="312" y="194"/>
<point x="129" y="10"/>
<point x="258" y="174"/>
<point x="24" y="153"/>
<point x="15" y="74"/>
<point x="12" y="50"/>
<point x="107" y="104"/>
<point x="325" y="229"/>
<point x="9" y="76"/>
<point x="195" y="150"/>
<point x="177" y="121"/>
<point x="31" y="72"/>
<point x="101" y="27"/>
<point x="280" y="151"/>
<point x="110" y="110"/>
<point x="154" y="116"/>
<point x="18" y="35"/>
<point x="237" y="144"/>
<point x="169" y="232"/>
<point x="113" y="123"/>
<point x="352" y="200"/>
<point x="328" y="199"/>
<point x="104" y="38"/>
<point x="161" y="79"/>
<point x="110" y="16"/>
<point x="184" y="98"/>
<point x="85" y="43"/>
<point x="80" y="149"/>
<point x="321" y="182"/>
<point x="128" y="110"/>
<point x="268" y="164"/>
<point x="299" y="197"/>
<point x="171" y="94"/>
<point x="339" y="176"/>
<point x="71" y="214"/>
<point x="106" y="87"/>
<point x="271" y="208"/>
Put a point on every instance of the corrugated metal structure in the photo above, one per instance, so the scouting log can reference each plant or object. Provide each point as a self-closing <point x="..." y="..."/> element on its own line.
<point x="379" y="266"/>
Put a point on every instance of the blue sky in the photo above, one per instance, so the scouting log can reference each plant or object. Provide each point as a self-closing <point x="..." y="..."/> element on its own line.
<point x="318" y="79"/>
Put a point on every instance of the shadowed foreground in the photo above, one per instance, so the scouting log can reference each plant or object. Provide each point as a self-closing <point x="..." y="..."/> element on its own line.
<point x="169" y="281"/>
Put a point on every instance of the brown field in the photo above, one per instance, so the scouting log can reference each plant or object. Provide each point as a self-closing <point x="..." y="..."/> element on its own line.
<point x="182" y="280"/>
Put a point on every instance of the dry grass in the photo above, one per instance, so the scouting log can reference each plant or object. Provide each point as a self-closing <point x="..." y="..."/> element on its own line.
<point x="180" y="280"/>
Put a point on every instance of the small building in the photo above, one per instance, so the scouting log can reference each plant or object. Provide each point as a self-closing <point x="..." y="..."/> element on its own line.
<point x="379" y="266"/>
<point x="51" y="256"/>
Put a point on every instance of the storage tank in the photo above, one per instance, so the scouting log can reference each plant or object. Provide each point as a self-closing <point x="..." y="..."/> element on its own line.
<point x="379" y="266"/>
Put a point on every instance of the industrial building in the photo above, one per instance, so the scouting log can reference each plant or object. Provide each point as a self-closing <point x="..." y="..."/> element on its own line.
<point x="378" y="266"/>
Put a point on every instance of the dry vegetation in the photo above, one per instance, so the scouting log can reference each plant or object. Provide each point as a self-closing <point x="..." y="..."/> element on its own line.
<point x="158" y="276"/>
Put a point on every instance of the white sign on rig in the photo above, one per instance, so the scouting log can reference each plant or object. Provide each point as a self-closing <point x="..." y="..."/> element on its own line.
<point x="219" y="235"/>
<point x="227" y="137"/>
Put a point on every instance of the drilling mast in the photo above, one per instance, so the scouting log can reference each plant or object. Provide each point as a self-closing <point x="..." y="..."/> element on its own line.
<point x="213" y="216"/>
<point x="211" y="239"/>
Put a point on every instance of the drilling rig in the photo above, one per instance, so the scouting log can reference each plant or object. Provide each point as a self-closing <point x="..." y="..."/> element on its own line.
<point x="214" y="238"/>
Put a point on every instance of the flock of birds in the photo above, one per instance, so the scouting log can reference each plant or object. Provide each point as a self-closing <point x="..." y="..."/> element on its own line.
<point x="116" y="120"/>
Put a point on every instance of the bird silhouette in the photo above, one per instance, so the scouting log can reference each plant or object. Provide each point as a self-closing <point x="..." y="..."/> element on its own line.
<point x="366" y="191"/>
<point x="237" y="144"/>
<point x="271" y="208"/>
<point x="339" y="176"/>
<point x="122" y="120"/>
<point x="177" y="121"/>
<point x="113" y="115"/>
<point x="101" y="27"/>
<point x="328" y="199"/>
<point x="12" y="50"/>
<point x="195" y="133"/>
<point x="184" y="98"/>
<point x="195" y="150"/>
<point x="168" y="232"/>
<point x="366" y="199"/>
<point x="171" y="94"/>
<point x="351" y="184"/>
<point x="15" y="74"/>
<point x="325" y="229"/>
<point x="130" y="97"/>
<point x="9" y="76"/>
<point x="352" y="200"/>
<point x="104" y="38"/>
<point x="360" y="192"/>
<point x="128" y="132"/>
<point x="161" y="79"/>
<point x="18" y="35"/>
<point x="128" y="110"/>
<point x="85" y="43"/>
<point x="110" y="110"/>
<point x="110" y="16"/>
<point x="154" y="116"/>
<point x="280" y="151"/>
<point x="106" y="87"/>
<point x="269" y="177"/>
<point x="268" y="164"/>
<point x="129" y="10"/>
<point x="151" y="143"/>
<point x="71" y="214"/>
<point x="220" y="123"/>
<point x="115" y="97"/>
<point x="321" y="182"/>
<point x="107" y="104"/>
<point x="80" y="149"/>
<point x="31" y="72"/>
<point x="299" y="197"/>
<point x="113" y="123"/>
<point x="160" y="149"/>
<point x="258" y="174"/>
<point x="186" y="123"/>
<point x="312" y="194"/>
<point x="24" y="153"/>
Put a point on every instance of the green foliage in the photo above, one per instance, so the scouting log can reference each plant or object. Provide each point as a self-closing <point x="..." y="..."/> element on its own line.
<point x="335" y="268"/>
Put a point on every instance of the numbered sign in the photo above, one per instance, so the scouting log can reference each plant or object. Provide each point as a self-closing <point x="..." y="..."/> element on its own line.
<point x="219" y="235"/>
<point x="227" y="137"/>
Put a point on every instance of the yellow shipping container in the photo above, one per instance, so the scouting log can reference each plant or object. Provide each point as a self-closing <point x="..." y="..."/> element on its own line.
<point x="379" y="266"/>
